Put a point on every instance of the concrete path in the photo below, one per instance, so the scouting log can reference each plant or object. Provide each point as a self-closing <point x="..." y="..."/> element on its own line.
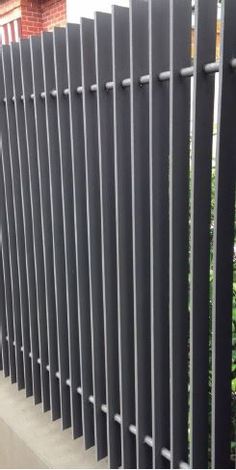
<point x="29" y="439"/>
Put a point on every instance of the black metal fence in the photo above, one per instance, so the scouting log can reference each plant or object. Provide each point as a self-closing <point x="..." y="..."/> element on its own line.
<point x="103" y="204"/>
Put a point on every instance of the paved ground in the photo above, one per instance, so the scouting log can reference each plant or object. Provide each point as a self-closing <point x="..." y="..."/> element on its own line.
<point x="29" y="439"/>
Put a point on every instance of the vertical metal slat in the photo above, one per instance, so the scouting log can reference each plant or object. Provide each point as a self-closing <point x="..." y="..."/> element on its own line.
<point x="27" y="218"/>
<point x="94" y="232"/>
<point x="80" y="225"/>
<point x="18" y="215"/>
<point x="103" y="53"/>
<point x="57" y="225"/>
<point x="223" y="246"/>
<point x="203" y="107"/>
<point x="44" y="191"/>
<point x="39" y="328"/>
<point x="7" y="362"/>
<point x="140" y="226"/>
<point x="59" y="36"/>
<point x="4" y="357"/>
<point x="10" y="268"/>
<point x="159" y="223"/>
<point x="180" y="41"/>
<point x="34" y="195"/>
<point x="123" y="201"/>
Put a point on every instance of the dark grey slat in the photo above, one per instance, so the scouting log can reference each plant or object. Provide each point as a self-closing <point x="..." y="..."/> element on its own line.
<point x="27" y="217"/>
<point x="123" y="197"/>
<point x="1" y="351"/>
<point x="223" y="247"/>
<point x="141" y="226"/>
<point x="9" y="362"/>
<point x="103" y="53"/>
<point x="2" y="327"/>
<point x="4" y="358"/>
<point x="94" y="232"/>
<point x="18" y="216"/>
<point x="159" y="222"/>
<point x="10" y="264"/>
<point x="203" y="109"/>
<point x="180" y="37"/>
<point x="10" y="268"/>
<point x="3" y="344"/>
<point x="33" y="199"/>
<point x="80" y="225"/>
<point x="57" y="225"/>
<point x="4" y="350"/>
<point x="44" y="191"/>
<point x="59" y="39"/>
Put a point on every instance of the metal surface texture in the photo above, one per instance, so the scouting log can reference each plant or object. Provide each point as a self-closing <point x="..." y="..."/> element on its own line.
<point x="7" y="359"/>
<point x="180" y="43"/>
<point x="35" y="204"/>
<point x="80" y="226"/>
<point x="94" y="232"/>
<point x="12" y="178"/>
<point x="140" y="226"/>
<point x="202" y="132"/>
<point x="8" y="234"/>
<point x="103" y="49"/>
<point x="57" y="225"/>
<point x="159" y="227"/>
<point x="50" y="335"/>
<point x="223" y="247"/>
<point x="59" y="41"/>
<point x="123" y="201"/>
<point x="116" y="305"/>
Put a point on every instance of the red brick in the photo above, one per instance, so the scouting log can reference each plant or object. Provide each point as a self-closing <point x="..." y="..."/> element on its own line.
<point x="36" y="15"/>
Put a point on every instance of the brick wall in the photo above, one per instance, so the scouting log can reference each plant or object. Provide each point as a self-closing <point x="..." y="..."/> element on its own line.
<point x="35" y="15"/>
<point x="53" y="13"/>
<point x="31" y="18"/>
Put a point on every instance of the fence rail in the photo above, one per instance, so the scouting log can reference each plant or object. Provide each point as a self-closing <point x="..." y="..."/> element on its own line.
<point x="106" y="193"/>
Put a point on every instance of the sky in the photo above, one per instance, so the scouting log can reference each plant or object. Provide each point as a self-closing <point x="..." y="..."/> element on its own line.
<point x="86" y="8"/>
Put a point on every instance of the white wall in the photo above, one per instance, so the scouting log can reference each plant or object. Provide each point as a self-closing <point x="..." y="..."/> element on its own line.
<point x="79" y="8"/>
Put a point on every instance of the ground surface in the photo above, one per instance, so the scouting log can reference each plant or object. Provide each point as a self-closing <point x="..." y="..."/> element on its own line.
<point x="29" y="439"/>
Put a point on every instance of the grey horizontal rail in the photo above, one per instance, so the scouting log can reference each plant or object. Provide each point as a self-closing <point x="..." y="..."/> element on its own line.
<point x="185" y="72"/>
